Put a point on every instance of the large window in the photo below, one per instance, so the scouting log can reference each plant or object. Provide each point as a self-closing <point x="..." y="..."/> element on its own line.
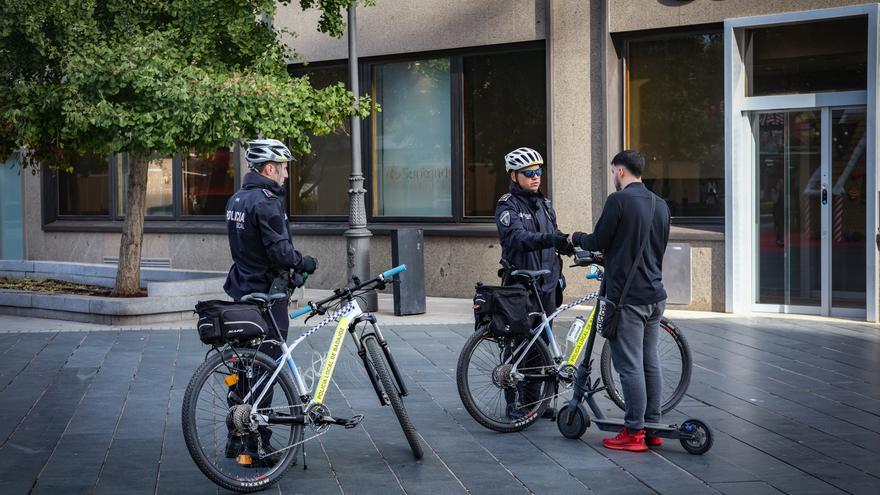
<point x="319" y="180"/>
<point x="84" y="188"/>
<point x="674" y="116"/>
<point x="96" y="187"/>
<point x="434" y="153"/>
<point x="437" y="147"/>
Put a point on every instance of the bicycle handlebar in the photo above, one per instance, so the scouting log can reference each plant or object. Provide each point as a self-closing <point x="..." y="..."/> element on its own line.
<point x="392" y="272"/>
<point x="300" y="312"/>
<point x="346" y="291"/>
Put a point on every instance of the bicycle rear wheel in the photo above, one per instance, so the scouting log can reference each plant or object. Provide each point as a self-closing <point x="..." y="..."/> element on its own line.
<point x="377" y="360"/>
<point x="225" y="444"/>
<point x="489" y="392"/>
<point x="675" y="364"/>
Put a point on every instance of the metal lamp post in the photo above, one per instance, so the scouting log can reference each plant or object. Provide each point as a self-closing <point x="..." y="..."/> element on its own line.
<point x="357" y="237"/>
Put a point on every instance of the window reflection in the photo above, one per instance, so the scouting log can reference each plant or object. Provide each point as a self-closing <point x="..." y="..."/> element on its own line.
<point x="502" y="111"/>
<point x="208" y="182"/>
<point x="85" y="189"/>
<point x="675" y="102"/>
<point x="319" y="180"/>
<point x="810" y="58"/>
<point x="412" y="139"/>
<point x="159" y="187"/>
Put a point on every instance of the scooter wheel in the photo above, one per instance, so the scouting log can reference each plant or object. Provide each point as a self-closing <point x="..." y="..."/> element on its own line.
<point x="573" y="423"/>
<point x="696" y="436"/>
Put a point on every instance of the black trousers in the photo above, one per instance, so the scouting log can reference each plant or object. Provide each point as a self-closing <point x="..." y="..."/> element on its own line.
<point x="279" y="314"/>
<point x="273" y="350"/>
<point x="526" y="394"/>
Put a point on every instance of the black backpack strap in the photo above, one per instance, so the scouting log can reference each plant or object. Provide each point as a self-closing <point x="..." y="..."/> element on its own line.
<point x="638" y="260"/>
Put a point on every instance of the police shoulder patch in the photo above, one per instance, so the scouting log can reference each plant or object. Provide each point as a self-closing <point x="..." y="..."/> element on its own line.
<point x="505" y="218"/>
<point x="269" y="194"/>
<point x="504" y="198"/>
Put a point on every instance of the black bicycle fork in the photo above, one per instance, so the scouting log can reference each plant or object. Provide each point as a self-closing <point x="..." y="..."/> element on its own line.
<point x="362" y="352"/>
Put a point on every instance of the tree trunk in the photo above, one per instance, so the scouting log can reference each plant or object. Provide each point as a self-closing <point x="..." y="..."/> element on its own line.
<point x="128" y="273"/>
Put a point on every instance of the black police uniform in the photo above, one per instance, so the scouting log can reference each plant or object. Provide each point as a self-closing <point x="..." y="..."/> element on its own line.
<point x="260" y="244"/>
<point x="526" y="225"/>
<point x="261" y="250"/>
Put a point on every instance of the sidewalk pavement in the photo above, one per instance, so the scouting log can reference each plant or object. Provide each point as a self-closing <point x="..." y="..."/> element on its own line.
<point x="794" y="404"/>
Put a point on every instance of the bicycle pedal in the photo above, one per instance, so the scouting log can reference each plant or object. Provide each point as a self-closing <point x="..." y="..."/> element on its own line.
<point x="354" y="421"/>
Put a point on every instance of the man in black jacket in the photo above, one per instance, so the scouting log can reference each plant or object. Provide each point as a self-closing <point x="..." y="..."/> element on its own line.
<point x="261" y="248"/>
<point x="619" y="234"/>
<point x="528" y="232"/>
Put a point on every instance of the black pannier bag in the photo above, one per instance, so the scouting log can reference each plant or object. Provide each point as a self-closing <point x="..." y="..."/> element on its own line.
<point x="504" y="309"/>
<point x="223" y="321"/>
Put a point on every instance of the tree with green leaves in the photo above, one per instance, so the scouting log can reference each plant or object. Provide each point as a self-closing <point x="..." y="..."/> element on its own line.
<point x="151" y="78"/>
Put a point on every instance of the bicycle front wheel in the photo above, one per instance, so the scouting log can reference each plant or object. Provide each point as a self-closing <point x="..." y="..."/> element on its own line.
<point x="227" y="445"/>
<point x="492" y="393"/>
<point x="675" y="366"/>
<point x="377" y="360"/>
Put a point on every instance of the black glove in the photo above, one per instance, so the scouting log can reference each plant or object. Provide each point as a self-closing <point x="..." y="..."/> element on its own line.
<point x="576" y="239"/>
<point x="308" y="264"/>
<point x="560" y="242"/>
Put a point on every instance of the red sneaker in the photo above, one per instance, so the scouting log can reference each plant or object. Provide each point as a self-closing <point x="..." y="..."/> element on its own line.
<point x="632" y="442"/>
<point x="653" y="441"/>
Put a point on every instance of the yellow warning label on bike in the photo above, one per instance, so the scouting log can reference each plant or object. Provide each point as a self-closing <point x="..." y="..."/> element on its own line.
<point x="579" y="346"/>
<point x="330" y="362"/>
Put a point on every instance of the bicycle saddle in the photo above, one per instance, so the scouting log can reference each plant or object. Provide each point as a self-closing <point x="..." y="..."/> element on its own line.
<point x="530" y="274"/>
<point x="264" y="298"/>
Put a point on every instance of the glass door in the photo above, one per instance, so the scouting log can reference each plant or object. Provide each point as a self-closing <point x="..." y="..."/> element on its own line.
<point x="848" y="208"/>
<point x="789" y="223"/>
<point x="810" y="225"/>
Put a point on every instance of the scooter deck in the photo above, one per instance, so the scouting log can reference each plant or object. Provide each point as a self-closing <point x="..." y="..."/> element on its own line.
<point x="653" y="429"/>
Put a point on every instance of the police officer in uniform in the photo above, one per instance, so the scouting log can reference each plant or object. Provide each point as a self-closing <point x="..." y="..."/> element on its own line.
<point x="529" y="235"/>
<point x="261" y="248"/>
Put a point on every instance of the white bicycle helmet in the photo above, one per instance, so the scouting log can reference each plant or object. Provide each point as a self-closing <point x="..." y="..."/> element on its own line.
<point x="521" y="158"/>
<point x="267" y="150"/>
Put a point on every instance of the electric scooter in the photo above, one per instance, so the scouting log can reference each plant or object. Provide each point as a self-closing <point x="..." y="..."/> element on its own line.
<point x="574" y="419"/>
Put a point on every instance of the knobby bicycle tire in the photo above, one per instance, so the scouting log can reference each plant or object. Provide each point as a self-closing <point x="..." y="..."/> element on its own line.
<point x="613" y="388"/>
<point x="377" y="360"/>
<point x="466" y="394"/>
<point x="190" y="432"/>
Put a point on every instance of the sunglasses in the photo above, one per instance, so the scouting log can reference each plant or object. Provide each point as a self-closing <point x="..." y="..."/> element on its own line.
<point x="533" y="173"/>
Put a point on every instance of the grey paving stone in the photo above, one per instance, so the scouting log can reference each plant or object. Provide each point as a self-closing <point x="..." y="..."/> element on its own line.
<point x="795" y="408"/>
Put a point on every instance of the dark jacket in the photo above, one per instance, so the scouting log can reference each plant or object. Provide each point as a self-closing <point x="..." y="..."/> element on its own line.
<point x="619" y="233"/>
<point x="526" y="225"/>
<point x="258" y="237"/>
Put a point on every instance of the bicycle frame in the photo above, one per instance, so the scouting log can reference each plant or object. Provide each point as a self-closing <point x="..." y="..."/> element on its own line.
<point x="347" y="315"/>
<point x="545" y="328"/>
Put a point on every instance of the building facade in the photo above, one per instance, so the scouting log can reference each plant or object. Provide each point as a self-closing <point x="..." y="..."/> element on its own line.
<point x="757" y="118"/>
